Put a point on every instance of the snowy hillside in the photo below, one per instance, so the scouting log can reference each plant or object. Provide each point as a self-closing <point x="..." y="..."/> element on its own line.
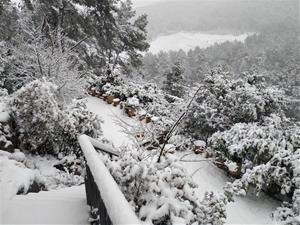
<point x="188" y="41"/>
<point x="161" y="112"/>
<point x="248" y="210"/>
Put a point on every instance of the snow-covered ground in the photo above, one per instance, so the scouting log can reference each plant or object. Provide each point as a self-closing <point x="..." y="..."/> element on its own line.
<point x="249" y="210"/>
<point x="68" y="205"/>
<point x="111" y="117"/>
<point x="187" y="41"/>
<point x="63" y="206"/>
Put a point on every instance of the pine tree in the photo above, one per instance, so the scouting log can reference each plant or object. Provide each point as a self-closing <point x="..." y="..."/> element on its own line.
<point x="117" y="34"/>
<point x="174" y="81"/>
<point x="8" y="18"/>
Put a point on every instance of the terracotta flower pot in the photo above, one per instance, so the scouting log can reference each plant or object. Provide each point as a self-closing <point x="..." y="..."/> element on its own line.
<point x="116" y="102"/>
<point x="110" y="99"/>
<point x="130" y="111"/>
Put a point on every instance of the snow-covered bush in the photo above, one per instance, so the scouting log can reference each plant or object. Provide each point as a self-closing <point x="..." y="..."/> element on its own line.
<point x="223" y="102"/>
<point x="266" y="155"/>
<point x="251" y="144"/>
<point x="3" y="92"/>
<point x="6" y="131"/>
<point x="149" y="95"/>
<point x="6" y="137"/>
<point x="104" y="83"/>
<point x="43" y="125"/>
<point x="75" y="119"/>
<point x="119" y="88"/>
<point x="163" y="193"/>
<point x="283" y="169"/>
<point x="35" y="110"/>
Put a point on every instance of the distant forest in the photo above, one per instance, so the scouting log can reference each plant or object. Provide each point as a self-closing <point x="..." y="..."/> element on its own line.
<point x="273" y="52"/>
<point x="233" y="16"/>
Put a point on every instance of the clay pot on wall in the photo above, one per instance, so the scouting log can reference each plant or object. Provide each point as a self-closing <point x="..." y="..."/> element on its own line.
<point x="110" y="99"/>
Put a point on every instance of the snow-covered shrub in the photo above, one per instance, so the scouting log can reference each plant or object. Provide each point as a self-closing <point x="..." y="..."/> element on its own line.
<point x="75" y="119"/>
<point x="6" y="131"/>
<point x="3" y="92"/>
<point x="104" y="83"/>
<point x="6" y="137"/>
<point x="149" y="95"/>
<point x="283" y="169"/>
<point x="267" y="148"/>
<point x="56" y="172"/>
<point x="163" y="193"/>
<point x="266" y="155"/>
<point x="43" y="125"/>
<point x="35" y="110"/>
<point x="222" y="102"/>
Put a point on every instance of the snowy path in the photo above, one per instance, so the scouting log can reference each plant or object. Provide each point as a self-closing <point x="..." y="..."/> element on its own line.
<point x="64" y="206"/>
<point x="250" y="210"/>
<point x="109" y="114"/>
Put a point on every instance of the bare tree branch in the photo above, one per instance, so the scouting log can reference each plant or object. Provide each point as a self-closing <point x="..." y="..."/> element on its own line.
<point x="39" y="63"/>
<point x="169" y="135"/>
<point x="78" y="43"/>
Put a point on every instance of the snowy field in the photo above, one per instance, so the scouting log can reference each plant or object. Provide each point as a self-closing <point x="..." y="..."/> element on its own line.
<point x="187" y="41"/>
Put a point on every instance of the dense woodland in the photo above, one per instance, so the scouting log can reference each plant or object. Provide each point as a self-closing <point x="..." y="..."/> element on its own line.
<point x="241" y="99"/>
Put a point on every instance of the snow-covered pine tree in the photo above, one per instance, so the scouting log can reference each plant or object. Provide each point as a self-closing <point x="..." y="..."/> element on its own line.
<point x="117" y="35"/>
<point x="174" y="81"/>
<point x="8" y="18"/>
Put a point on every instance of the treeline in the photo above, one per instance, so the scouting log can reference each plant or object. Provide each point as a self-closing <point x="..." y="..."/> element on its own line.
<point x="273" y="54"/>
<point x="234" y="16"/>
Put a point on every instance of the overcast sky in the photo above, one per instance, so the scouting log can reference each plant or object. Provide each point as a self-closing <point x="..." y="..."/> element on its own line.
<point x="138" y="3"/>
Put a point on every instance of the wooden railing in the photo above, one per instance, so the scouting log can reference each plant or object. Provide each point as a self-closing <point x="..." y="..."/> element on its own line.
<point x="98" y="210"/>
<point x="107" y="202"/>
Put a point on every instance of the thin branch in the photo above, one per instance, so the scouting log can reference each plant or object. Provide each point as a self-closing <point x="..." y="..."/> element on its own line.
<point x="196" y="171"/>
<point x="64" y="84"/>
<point x="169" y="135"/>
<point x="195" y="160"/>
<point x="78" y="43"/>
<point x="39" y="63"/>
<point x="186" y="155"/>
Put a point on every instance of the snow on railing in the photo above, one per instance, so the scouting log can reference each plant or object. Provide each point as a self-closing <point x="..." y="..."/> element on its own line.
<point x="102" y="147"/>
<point x="103" y="193"/>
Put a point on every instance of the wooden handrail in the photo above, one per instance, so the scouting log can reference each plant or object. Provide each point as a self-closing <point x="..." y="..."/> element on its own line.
<point x="108" y="204"/>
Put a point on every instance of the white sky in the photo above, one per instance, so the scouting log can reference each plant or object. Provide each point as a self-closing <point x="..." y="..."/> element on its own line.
<point x="138" y="3"/>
